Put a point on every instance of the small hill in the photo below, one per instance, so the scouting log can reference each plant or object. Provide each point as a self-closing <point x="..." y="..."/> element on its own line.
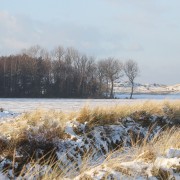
<point x="125" y="87"/>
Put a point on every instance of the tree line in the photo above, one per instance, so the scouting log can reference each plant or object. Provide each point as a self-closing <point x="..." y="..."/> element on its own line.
<point x="62" y="73"/>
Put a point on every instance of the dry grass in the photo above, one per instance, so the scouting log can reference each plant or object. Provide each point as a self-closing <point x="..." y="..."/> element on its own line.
<point x="94" y="117"/>
<point x="31" y="131"/>
<point x="161" y="173"/>
<point x="37" y="130"/>
<point x="113" y="115"/>
<point x="50" y="124"/>
<point x="146" y="153"/>
<point x="33" y="119"/>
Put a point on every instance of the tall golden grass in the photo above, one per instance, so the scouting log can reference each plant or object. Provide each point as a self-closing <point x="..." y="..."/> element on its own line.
<point x="51" y="124"/>
<point x="112" y="115"/>
<point x="147" y="152"/>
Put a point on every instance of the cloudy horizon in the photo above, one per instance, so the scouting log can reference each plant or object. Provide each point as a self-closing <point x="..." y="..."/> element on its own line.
<point x="145" y="31"/>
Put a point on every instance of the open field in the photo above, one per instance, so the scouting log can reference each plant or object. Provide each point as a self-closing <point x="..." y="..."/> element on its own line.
<point x="67" y="105"/>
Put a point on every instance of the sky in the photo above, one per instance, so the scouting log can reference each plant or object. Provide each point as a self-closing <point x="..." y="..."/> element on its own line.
<point x="147" y="31"/>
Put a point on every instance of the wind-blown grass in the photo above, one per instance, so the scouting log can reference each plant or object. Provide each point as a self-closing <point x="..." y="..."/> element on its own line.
<point x="37" y="130"/>
<point x="125" y="160"/>
<point x="113" y="115"/>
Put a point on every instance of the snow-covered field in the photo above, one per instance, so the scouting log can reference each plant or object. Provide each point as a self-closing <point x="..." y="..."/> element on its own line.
<point x="67" y="105"/>
<point x="125" y="87"/>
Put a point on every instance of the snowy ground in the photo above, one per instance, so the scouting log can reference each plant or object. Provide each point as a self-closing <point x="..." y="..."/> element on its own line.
<point x="7" y="115"/>
<point x="140" y="169"/>
<point x="99" y="140"/>
<point x="67" y="105"/>
<point x="147" y="88"/>
<point x="23" y="105"/>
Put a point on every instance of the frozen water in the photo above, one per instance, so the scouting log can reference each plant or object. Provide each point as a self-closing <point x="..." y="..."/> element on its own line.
<point x="149" y="96"/>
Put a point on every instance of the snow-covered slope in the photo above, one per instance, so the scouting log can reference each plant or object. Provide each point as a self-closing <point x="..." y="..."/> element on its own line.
<point x="99" y="140"/>
<point x="125" y="87"/>
<point x="162" y="168"/>
<point x="174" y="87"/>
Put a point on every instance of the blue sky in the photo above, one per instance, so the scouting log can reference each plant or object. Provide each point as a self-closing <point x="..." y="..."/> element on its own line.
<point x="147" y="31"/>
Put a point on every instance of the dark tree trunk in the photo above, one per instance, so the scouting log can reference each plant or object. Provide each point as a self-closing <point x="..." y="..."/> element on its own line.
<point x="112" y="87"/>
<point x="132" y="90"/>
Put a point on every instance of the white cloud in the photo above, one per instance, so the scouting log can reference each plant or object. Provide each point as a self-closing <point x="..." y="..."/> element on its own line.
<point x="147" y="31"/>
<point x="21" y="31"/>
<point x="8" y="22"/>
<point x="15" y="44"/>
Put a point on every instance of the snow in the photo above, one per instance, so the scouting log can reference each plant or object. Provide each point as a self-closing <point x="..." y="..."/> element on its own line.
<point x="7" y="116"/>
<point x="101" y="140"/>
<point x="69" y="129"/>
<point x="171" y="153"/>
<point x="137" y="169"/>
<point x="163" y="162"/>
<point x="3" y="177"/>
<point x="67" y="105"/>
<point x="174" y="87"/>
<point x="125" y="87"/>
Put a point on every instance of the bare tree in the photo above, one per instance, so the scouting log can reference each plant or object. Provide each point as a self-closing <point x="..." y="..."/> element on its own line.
<point x="101" y="76"/>
<point x="33" y="51"/>
<point x="113" y="70"/>
<point x="58" y="53"/>
<point x="131" y="70"/>
<point x="60" y="73"/>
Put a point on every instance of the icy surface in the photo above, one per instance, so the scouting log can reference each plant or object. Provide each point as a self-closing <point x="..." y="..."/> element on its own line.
<point x="149" y="96"/>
